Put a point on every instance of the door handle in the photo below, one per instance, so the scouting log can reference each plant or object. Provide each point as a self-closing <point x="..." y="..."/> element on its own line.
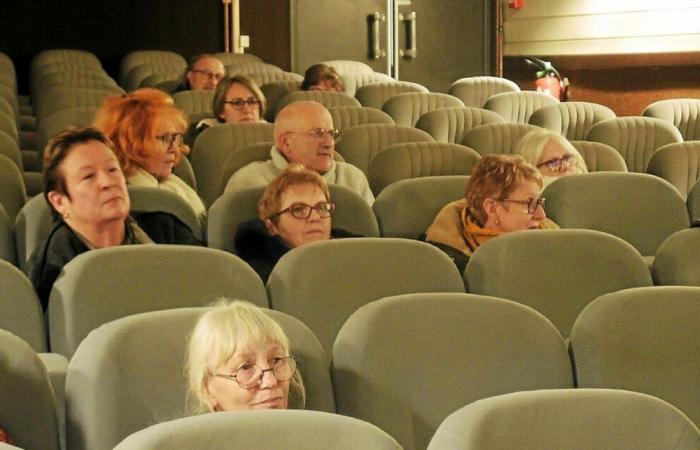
<point x="376" y="18"/>
<point x="411" y="51"/>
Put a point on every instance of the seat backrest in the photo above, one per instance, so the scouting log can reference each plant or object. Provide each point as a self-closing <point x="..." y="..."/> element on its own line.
<point x="8" y="125"/>
<point x="68" y="98"/>
<point x="26" y="396"/>
<point x="10" y="149"/>
<point x="76" y="58"/>
<point x="347" y="66"/>
<point x="53" y="124"/>
<point x="517" y="107"/>
<point x="676" y="261"/>
<point x="678" y="163"/>
<point x="194" y="102"/>
<point x="390" y="366"/>
<point x="274" y="92"/>
<point x="165" y="81"/>
<point x="105" y="284"/>
<point x="693" y="203"/>
<point x="683" y="113"/>
<point x="573" y="267"/>
<point x="245" y="155"/>
<point x="571" y="119"/>
<point x="8" y="250"/>
<point x="451" y="124"/>
<point x="343" y="274"/>
<point x="636" y="138"/>
<point x="567" y="418"/>
<point x="228" y="58"/>
<point x="110" y="388"/>
<point x="600" y="157"/>
<point x="642" y="209"/>
<point x="310" y="430"/>
<point x="150" y="199"/>
<point x="352" y="81"/>
<point x="325" y="98"/>
<point x="407" y="107"/>
<point x="345" y="117"/>
<point x="229" y="211"/>
<point x="374" y="95"/>
<point x="496" y="138"/>
<point x="645" y="340"/>
<point x="136" y="58"/>
<point x="20" y="309"/>
<point x="249" y="67"/>
<point x="474" y="91"/>
<point x="419" y="159"/>
<point x="360" y="143"/>
<point x="140" y="72"/>
<point x="212" y="148"/>
<point x="406" y="208"/>
<point x="13" y="194"/>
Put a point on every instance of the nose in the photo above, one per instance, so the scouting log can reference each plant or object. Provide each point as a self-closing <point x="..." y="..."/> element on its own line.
<point x="268" y="378"/>
<point x="315" y="216"/>
<point x="105" y="180"/>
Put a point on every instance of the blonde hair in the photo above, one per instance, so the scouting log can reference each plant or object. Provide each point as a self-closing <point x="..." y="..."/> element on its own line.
<point x="295" y="174"/>
<point x="531" y="146"/>
<point x="496" y="176"/>
<point x="220" y="332"/>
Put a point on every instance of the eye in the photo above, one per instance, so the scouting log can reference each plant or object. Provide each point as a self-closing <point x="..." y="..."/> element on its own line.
<point x="88" y="176"/>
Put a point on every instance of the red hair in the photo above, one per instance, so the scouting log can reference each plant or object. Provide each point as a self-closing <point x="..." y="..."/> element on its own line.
<point x="132" y="122"/>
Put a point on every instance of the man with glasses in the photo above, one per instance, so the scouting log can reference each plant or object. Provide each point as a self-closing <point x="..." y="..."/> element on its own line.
<point x="304" y="134"/>
<point x="204" y="73"/>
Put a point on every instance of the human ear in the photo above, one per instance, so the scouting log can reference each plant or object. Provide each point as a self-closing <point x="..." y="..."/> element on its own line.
<point x="491" y="209"/>
<point x="284" y="144"/>
<point x="58" y="201"/>
<point x="271" y="227"/>
<point x="209" y="397"/>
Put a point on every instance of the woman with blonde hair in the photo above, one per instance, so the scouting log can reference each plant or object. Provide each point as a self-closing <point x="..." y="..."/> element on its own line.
<point x="239" y="359"/>
<point x="147" y="130"/>
<point x="502" y="195"/>
<point x="551" y="153"/>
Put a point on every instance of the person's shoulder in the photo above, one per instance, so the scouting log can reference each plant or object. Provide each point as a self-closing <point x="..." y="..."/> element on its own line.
<point x="254" y="174"/>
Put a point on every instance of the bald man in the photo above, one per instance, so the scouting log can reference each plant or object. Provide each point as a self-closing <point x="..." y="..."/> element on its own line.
<point x="304" y="134"/>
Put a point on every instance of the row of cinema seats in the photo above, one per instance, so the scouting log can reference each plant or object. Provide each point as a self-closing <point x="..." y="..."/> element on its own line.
<point x="405" y="363"/>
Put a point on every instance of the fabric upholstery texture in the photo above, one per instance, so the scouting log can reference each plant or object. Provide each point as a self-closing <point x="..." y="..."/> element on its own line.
<point x="451" y="124"/>
<point x="327" y="99"/>
<point x="677" y="259"/>
<point x="571" y="119"/>
<point x="474" y="91"/>
<point x="7" y="239"/>
<point x="575" y="419"/>
<point x="496" y="138"/>
<point x="355" y="80"/>
<point x="20" y="309"/>
<point x="636" y="138"/>
<point x="642" y="209"/>
<point x="693" y="203"/>
<point x="556" y="272"/>
<point x="133" y="59"/>
<point x="390" y="366"/>
<point x="683" y="113"/>
<point x="407" y="107"/>
<point x="12" y="191"/>
<point x="343" y="274"/>
<point x="643" y="340"/>
<point x="600" y="157"/>
<point x="517" y="107"/>
<point x="419" y="159"/>
<point x="374" y="95"/>
<point x="678" y="163"/>
<point x="345" y="117"/>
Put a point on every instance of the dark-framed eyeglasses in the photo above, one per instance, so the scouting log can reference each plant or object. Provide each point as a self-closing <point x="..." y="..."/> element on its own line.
<point x="320" y="133"/>
<point x="240" y="103"/>
<point x="169" y="139"/>
<point x="303" y="210"/>
<point x="530" y="203"/>
<point x="209" y="74"/>
<point x="249" y="376"/>
<point x="557" y="164"/>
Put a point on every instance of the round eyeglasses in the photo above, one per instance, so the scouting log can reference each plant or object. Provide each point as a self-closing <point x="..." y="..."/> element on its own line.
<point x="169" y="139"/>
<point x="240" y="103"/>
<point x="321" y="133"/>
<point x="210" y="75"/>
<point x="557" y="164"/>
<point x="249" y="376"/>
<point x="531" y="203"/>
<point x="303" y="211"/>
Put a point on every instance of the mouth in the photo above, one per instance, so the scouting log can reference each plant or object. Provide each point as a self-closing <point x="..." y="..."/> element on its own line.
<point x="271" y="403"/>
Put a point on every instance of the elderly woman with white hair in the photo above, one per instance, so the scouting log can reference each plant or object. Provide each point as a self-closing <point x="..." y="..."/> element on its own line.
<point x="239" y="359"/>
<point x="551" y="153"/>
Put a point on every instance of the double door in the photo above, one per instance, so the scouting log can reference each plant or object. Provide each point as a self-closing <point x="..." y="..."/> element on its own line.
<point x="431" y="42"/>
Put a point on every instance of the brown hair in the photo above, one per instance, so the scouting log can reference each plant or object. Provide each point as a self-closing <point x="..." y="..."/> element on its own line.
<point x="496" y="176"/>
<point x="193" y="62"/>
<point x="131" y="122"/>
<point x="294" y="175"/>
<point x="223" y="87"/>
<point x="319" y="73"/>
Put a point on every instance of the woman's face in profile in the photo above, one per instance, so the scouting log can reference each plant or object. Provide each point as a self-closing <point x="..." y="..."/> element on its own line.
<point x="95" y="184"/>
<point x="297" y="231"/>
<point x="242" y="106"/>
<point x="556" y="161"/>
<point x="160" y="164"/>
<point x="225" y="392"/>
<point x="513" y="214"/>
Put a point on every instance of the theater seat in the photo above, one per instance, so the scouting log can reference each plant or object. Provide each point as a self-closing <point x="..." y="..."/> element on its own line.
<point x="677" y="163"/>
<point x="345" y="117"/>
<point x="683" y="113"/>
<point x="496" y="138"/>
<point x="474" y="91"/>
<point x="325" y="98"/>
<point x="20" y="309"/>
<point x="451" y="124"/>
<point x="374" y="95"/>
<point x="406" y="108"/>
<point x="571" y="119"/>
<point x="600" y="157"/>
<point x="517" y="107"/>
<point x="13" y="194"/>
<point x="677" y="260"/>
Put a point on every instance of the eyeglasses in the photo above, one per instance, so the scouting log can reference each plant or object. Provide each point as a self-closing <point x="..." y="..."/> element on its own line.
<point x="210" y="75"/>
<point x="557" y="164"/>
<point x="303" y="211"/>
<point x="169" y="139"/>
<point x="320" y="133"/>
<point x="249" y="376"/>
<point x="239" y="103"/>
<point x="531" y="203"/>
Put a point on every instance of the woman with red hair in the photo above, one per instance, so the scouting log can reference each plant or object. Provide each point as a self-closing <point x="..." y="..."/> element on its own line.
<point x="146" y="129"/>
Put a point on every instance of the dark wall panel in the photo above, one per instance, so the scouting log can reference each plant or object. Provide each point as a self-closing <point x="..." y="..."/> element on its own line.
<point x="109" y="28"/>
